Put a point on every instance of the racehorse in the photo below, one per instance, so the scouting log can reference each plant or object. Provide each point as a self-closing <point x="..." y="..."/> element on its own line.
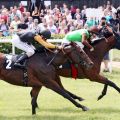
<point x="39" y="73"/>
<point x="101" y="47"/>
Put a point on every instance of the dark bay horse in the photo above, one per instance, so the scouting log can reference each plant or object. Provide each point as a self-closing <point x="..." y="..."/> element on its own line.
<point x="42" y="74"/>
<point x="101" y="47"/>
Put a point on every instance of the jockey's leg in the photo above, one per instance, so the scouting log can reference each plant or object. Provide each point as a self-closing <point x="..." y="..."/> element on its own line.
<point x="86" y="61"/>
<point x="65" y="42"/>
<point x="29" y="49"/>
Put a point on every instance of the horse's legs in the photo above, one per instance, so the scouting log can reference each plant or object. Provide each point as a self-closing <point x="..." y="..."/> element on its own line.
<point x="71" y="94"/>
<point x="104" y="91"/>
<point x="34" y="94"/>
<point x="103" y="80"/>
<point x="53" y="85"/>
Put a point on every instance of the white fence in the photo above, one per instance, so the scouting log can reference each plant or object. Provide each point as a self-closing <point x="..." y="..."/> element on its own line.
<point x="13" y="47"/>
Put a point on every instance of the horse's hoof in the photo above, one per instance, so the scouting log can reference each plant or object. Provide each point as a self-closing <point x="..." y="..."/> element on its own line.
<point x="85" y="108"/>
<point x="81" y="99"/>
<point x="100" y="97"/>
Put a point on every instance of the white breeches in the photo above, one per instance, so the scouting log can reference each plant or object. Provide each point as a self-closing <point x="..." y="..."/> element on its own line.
<point x="65" y="41"/>
<point x="29" y="49"/>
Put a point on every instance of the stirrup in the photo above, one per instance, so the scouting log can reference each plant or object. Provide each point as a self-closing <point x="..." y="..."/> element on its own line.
<point x="19" y="65"/>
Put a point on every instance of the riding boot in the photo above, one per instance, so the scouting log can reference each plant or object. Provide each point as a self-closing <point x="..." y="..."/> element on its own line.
<point x="85" y="60"/>
<point x="20" y="60"/>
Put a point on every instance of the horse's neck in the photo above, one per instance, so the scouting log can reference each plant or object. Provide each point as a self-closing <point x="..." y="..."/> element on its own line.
<point x="101" y="49"/>
<point x="59" y="59"/>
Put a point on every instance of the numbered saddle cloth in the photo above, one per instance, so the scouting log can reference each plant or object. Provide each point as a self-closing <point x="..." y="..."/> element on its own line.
<point x="10" y="60"/>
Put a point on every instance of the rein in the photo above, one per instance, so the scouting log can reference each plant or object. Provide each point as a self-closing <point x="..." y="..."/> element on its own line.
<point x="53" y="57"/>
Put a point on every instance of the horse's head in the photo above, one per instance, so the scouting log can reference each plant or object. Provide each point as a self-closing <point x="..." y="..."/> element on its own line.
<point x="77" y="56"/>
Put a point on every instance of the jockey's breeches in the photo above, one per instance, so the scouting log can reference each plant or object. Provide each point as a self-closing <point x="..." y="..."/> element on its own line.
<point x="29" y="49"/>
<point x="65" y="41"/>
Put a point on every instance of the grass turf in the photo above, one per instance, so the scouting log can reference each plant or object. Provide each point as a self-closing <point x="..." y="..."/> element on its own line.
<point x="15" y="102"/>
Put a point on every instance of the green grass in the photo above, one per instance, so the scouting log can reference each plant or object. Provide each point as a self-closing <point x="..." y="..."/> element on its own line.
<point x="15" y="102"/>
<point x="116" y="55"/>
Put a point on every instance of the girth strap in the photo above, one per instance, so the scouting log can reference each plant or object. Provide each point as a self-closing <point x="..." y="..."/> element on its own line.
<point x="25" y="77"/>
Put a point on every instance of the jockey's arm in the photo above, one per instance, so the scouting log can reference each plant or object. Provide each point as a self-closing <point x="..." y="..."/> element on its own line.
<point x="85" y="42"/>
<point x="39" y="39"/>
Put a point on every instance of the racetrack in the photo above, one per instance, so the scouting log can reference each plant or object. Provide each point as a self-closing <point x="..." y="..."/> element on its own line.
<point x="15" y="102"/>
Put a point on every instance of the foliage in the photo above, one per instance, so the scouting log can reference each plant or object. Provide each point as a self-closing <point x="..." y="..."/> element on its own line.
<point x="7" y="49"/>
<point x="57" y="36"/>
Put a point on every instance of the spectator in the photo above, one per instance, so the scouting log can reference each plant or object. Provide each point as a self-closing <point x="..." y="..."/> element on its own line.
<point x="34" y="25"/>
<point x="55" y="8"/>
<point x="22" y="25"/>
<point x="77" y="13"/>
<point x="48" y="15"/>
<point x="21" y="8"/>
<point x="78" y="20"/>
<point x="52" y="27"/>
<point x="4" y="15"/>
<point x="73" y="11"/>
<point x="63" y="28"/>
<point x="26" y="15"/>
<point x="114" y="22"/>
<point x="83" y="13"/>
<point x="43" y="25"/>
<point x="68" y="15"/>
<point x="4" y="28"/>
<point x="64" y="8"/>
<point x="30" y="21"/>
<point x="35" y="13"/>
<point x="13" y="14"/>
<point x="90" y="22"/>
<point x="42" y="14"/>
<point x="70" y="25"/>
<point x="14" y="23"/>
<point x="3" y="8"/>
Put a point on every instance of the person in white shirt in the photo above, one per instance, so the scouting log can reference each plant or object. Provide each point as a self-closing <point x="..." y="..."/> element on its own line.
<point x="53" y="29"/>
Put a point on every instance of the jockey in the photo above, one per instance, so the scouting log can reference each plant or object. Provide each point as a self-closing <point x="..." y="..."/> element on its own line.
<point x="25" y="41"/>
<point x="81" y="38"/>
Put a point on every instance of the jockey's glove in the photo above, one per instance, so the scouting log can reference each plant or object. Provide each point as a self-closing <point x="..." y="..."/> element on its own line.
<point x="92" y="49"/>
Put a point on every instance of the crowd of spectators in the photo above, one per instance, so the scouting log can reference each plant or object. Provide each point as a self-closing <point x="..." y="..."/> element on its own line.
<point x="59" y="20"/>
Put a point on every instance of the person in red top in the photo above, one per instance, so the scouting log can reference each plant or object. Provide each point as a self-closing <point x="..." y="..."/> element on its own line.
<point x="73" y="11"/>
<point x="4" y="16"/>
<point x="21" y="7"/>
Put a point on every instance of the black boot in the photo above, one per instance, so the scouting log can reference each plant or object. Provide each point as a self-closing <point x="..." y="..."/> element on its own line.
<point x="20" y="60"/>
<point x="84" y="59"/>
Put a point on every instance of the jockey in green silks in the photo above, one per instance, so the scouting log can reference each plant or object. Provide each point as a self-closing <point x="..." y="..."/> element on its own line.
<point x="81" y="38"/>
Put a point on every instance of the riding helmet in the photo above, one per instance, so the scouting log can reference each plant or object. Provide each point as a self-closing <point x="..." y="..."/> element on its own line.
<point x="46" y="34"/>
<point x="94" y="30"/>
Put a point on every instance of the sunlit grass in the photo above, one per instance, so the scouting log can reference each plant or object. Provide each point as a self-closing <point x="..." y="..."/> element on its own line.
<point x="15" y="101"/>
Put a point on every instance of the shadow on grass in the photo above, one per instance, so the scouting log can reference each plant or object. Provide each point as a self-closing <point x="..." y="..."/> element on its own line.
<point x="65" y="114"/>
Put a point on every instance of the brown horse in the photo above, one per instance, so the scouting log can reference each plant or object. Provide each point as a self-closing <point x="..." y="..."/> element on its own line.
<point x="41" y="74"/>
<point x="101" y="47"/>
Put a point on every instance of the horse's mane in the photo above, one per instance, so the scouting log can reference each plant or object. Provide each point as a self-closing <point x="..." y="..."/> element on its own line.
<point x="97" y="41"/>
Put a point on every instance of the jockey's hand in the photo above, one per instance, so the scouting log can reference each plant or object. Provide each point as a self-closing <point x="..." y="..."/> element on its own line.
<point x="59" y="47"/>
<point x="92" y="49"/>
